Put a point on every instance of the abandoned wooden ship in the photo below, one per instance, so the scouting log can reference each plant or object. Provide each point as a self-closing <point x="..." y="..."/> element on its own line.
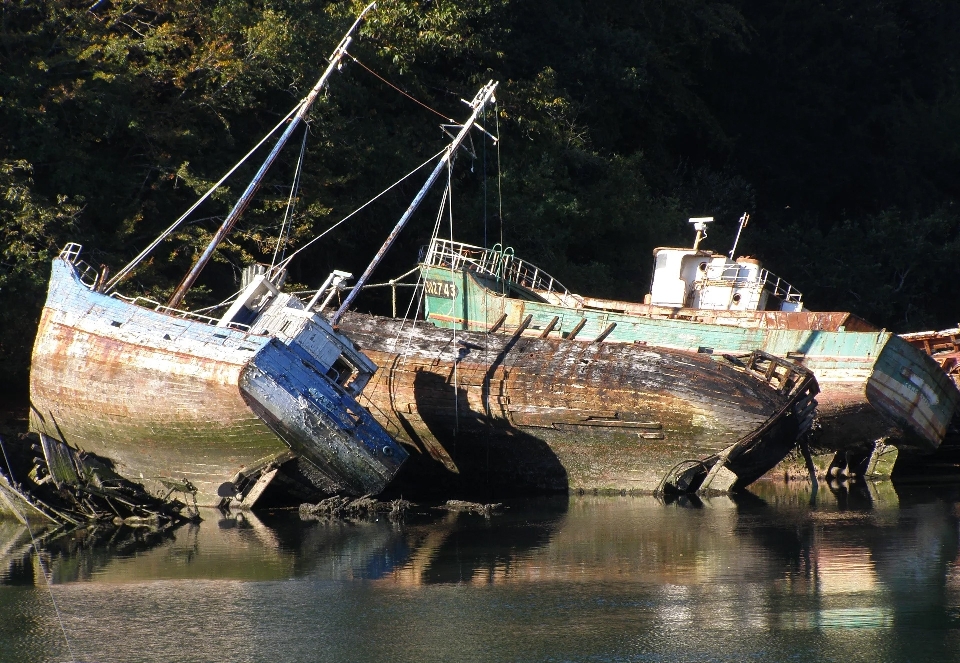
<point x="190" y="403"/>
<point x="267" y="394"/>
<point x="508" y="414"/>
<point x="873" y="383"/>
<point x="217" y="408"/>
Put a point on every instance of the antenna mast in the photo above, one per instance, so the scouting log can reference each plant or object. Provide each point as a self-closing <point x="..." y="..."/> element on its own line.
<point x="700" y="225"/>
<point x="743" y="224"/>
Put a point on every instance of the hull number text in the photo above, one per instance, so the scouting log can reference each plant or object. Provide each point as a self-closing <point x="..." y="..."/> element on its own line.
<point x="443" y="289"/>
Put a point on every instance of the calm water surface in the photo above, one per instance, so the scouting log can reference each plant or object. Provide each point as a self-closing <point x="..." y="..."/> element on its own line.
<point x="869" y="575"/>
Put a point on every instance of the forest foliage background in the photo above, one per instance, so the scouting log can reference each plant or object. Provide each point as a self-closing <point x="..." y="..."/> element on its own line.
<point x="835" y="123"/>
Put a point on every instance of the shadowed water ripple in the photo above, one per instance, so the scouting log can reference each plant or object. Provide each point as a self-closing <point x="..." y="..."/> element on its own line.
<point x="863" y="575"/>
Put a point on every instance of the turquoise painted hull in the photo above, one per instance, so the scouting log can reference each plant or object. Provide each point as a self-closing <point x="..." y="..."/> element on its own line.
<point x="873" y="384"/>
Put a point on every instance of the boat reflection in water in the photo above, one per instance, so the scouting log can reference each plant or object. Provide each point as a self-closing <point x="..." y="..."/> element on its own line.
<point x="855" y="575"/>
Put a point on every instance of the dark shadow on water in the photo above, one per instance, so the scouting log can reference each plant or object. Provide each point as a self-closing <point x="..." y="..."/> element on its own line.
<point x="743" y="499"/>
<point x="471" y="547"/>
<point x="448" y="545"/>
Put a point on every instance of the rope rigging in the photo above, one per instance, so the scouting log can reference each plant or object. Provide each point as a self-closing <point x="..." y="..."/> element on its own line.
<point x="294" y="190"/>
<point x="405" y="94"/>
<point x="456" y="356"/>
<point x="286" y="261"/>
<point x="279" y="258"/>
<point x="115" y="281"/>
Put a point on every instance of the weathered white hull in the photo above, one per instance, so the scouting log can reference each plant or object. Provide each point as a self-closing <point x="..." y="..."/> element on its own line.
<point x="160" y="396"/>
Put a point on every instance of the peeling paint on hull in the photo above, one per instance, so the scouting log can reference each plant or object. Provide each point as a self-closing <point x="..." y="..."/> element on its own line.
<point x="872" y="382"/>
<point x="159" y="395"/>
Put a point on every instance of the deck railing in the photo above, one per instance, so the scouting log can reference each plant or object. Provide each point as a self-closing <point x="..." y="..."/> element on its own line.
<point x="780" y="288"/>
<point x="144" y="302"/>
<point x="89" y="276"/>
<point x="500" y="263"/>
<point x="736" y="276"/>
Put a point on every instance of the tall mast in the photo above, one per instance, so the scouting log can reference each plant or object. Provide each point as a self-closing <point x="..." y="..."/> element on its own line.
<point x="254" y="185"/>
<point x="482" y="98"/>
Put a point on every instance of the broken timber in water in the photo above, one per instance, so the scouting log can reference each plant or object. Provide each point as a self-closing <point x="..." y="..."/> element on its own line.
<point x="44" y="480"/>
<point x="339" y="507"/>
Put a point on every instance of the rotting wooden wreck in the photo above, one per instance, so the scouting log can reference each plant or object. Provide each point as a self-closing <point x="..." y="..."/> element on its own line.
<point x="944" y="465"/>
<point x="505" y="414"/>
<point x="44" y="481"/>
<point x="943" y="346"/>
<point x="179" y="400"/>
<point x="872" y="383"/>
<point x="508" y="414"/>
<point x="216" y="408"/>
<point x="185" y="402"/>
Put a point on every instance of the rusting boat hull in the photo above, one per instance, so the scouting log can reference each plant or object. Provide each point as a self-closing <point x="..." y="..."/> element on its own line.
<point x="162" y="417"/>
<point x="282" y="390"/>
<point x="943" y="346"/>
<point x="502" y="415"/>
<point x="159" y="396"/>
<point x="944" y="465"/>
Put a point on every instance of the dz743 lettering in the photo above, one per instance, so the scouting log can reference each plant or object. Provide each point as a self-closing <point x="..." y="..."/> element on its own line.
<point x="440" y="288"/>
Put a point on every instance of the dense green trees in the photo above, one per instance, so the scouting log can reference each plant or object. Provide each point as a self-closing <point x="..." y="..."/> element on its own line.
<point x="833" y="123"/>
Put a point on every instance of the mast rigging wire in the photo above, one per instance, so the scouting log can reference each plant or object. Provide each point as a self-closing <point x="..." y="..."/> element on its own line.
<point x="456" y="351"/>
<point x="286" y="261"/>
<point x="499" y="171"/>
<point x="408" y="96"/>
<point x="485" y="244"/>
<point x="115" y="281"/>
<point x="294" y="191"/>
<point x="123" y="273"/>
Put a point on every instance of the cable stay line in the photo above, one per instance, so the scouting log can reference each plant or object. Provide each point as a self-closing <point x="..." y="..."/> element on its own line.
<point x="398" y="89"/>
<point x="286" y="261"/>
<point x="129" y="267"/>
<point x="294" y="191"/>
